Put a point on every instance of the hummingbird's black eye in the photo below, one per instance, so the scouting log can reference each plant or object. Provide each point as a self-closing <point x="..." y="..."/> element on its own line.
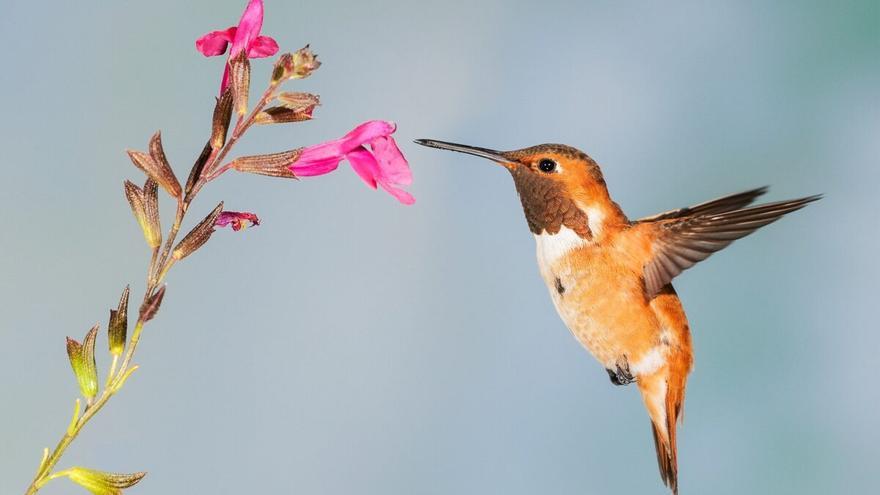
<point x="547" y="165"/>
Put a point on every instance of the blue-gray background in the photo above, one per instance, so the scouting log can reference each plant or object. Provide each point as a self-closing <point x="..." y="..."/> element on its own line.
<point x="351" y="345"/>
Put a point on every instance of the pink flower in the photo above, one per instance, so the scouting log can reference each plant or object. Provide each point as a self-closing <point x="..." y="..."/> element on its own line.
<point x="245" y="37"/>
<point x="382" y="164"/>
<point x="237" y="219"/>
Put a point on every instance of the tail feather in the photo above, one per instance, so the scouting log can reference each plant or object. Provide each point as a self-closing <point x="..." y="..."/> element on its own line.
<point x="666" y="461"/>
<point x="663" y="393"/>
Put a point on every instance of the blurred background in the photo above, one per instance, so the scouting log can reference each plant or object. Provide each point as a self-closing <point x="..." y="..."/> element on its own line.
<point x="351" y="345"/>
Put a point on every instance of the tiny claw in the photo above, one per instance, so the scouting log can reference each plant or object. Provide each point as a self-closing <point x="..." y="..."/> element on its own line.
<point x="621" y="374"/>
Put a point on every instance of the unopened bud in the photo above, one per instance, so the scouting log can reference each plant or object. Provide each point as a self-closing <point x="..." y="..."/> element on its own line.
<point x="221" y="119"/>
<point x="101" y="483"/>
<point x="151" y="213"/>
<point x="273" y="164"/>
<point x="164" y="175"/>
<point x="151" y="306"/>
<point x="118" y="326"/>
<point x="297" y="65"/>
<point x="282" y="115"/>
<point x="304" y="63"/>
<point x="135" y="197"/>
<point x="82" y="360"/>
<point x="198" y="236"/>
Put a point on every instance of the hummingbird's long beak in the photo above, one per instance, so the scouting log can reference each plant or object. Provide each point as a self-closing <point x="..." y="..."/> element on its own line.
<point x="495" y="156"/>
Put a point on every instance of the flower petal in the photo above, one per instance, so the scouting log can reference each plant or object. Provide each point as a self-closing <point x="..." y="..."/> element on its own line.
<point x="365" y="165"/>
<point x="384" y="166"/>
<point x="401" y="195"/>
<point x="315" y="166"/>
<point x="215" y="42"/>
<point x="367" y="132"/>
<point x="336" y="149"/>
<point x="391" y="161"/>
<point x="248" y="27"/>
<point x="224" y="81"/>
<point x="237" y="219"/>
<point x="262" y="46"/>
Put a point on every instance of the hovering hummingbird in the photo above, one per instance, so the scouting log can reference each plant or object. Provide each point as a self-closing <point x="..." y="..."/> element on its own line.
<point x="610" y="277"/>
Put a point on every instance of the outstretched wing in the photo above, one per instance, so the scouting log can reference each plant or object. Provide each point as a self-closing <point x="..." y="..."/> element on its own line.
<point x="719" y="205"/>
<point x="682" y="240"/>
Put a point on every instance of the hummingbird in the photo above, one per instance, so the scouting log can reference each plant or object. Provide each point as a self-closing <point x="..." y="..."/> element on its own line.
<point x="610" y="278"/>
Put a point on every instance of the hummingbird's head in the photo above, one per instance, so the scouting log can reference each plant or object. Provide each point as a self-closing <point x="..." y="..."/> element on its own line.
<point x="557" y="184"/>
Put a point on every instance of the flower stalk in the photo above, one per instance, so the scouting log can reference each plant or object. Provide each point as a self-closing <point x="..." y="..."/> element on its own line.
<point x="160" y="264"/>
<point x="385" y="166"/>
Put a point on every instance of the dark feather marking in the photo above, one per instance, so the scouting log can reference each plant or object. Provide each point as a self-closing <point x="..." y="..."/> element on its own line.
<point x="559" y="288"/>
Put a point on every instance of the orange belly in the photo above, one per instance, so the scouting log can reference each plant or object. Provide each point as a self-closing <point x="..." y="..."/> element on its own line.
<point x="603" y="305"/>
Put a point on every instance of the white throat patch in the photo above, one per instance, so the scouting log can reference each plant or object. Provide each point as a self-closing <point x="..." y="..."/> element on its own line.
<point x="551" y="247"/>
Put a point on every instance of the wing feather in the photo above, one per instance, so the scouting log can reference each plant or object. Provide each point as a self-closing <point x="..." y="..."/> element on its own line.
<point x="687" y="236"/>
<point x="719" y="205"/>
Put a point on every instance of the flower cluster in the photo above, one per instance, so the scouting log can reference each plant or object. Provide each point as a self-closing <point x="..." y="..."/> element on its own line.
<point x="369" y="148"/>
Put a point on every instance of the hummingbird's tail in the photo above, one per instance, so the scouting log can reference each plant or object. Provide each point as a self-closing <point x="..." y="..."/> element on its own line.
<point x="663" y="393"/>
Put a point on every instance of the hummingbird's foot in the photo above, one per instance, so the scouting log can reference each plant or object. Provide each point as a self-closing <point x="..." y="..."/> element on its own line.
<point x="621" y="374"/>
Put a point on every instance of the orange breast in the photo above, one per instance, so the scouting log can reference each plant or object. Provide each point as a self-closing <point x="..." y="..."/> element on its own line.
<point x="600" y="299"/>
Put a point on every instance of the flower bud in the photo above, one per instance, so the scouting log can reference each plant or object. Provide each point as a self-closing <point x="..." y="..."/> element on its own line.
<point x="101" y="483"/>
<point x="198" y="236"/>
<point x="151" y="306"/>
<point x="135" y="197"/>
<point x="304" y="63"/>
<point x="273" y="165"/>
<point x="281" y="70"/>
<point x="82" y="360"/>
<point x="164" y="174"/>
<point x="156" y="166"/>
<point x="118" y="326"/>
<point x="151" y="212"/>
<point x="299" y="101"/>
<point x="221" y="119"/>
<point x="298" y="65"/>
<point x="198" y="167"/>
<point x="282" y="115"/>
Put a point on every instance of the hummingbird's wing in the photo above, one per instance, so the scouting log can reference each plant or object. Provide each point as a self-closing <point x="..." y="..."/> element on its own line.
<point x="719" y="205"/>
<point x="679" y="242"/>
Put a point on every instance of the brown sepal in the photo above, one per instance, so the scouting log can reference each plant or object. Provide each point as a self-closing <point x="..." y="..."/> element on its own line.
<point x="151" y="212"/>
<point x="196" y="171"/>
<point x="221" y="119"/>
<point x="283" y="68"/>
<point x="282" y="115"/>
<point x="304" y="63"/>
<point x="151" y="306"/>
<point x="137" y="201"/>
<point x="240" y="77"/>
<point x="118" y="326"/>
<point x="82" y="360"/>
<point x="273" y="165"/>
<point x="164" y="174"/>
<point x="299" y="101"/>
<point x="198" y="236"/>
<point x="135" y="197"/>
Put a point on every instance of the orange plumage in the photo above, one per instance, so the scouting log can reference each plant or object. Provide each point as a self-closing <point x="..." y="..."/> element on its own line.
<point x="610" y="278"/>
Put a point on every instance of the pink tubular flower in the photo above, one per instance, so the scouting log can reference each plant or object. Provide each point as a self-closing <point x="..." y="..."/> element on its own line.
<point x="382" y="164"/>
<point x="238" y="220"/>
<point x="245" y="37"/>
